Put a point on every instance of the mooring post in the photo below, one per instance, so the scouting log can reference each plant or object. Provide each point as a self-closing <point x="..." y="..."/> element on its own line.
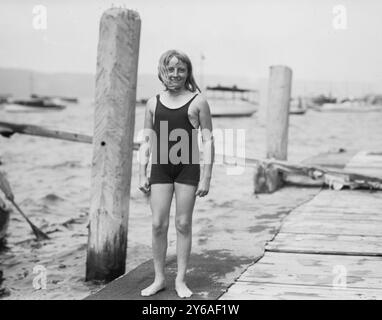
<point x="115" y="96"/>
<point x="267" y="178"/>
<point x="280" y="85"/>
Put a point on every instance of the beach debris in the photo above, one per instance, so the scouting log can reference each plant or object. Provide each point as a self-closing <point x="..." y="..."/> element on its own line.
<point x="6" y="188"/>
<point x="336" y="179"/>
<point x="334" y="182"/>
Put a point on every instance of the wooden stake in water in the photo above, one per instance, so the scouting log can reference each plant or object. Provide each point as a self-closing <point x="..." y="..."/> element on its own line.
<point x="267" y="179"/>
<point x="116" y="82"/>
<point x="280" y="84"/>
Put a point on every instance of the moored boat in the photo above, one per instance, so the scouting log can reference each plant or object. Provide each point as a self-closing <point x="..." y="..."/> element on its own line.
<point x="33" y="105"/>
<point x="66" y="99"/>
<point x="231" y="101"/>
<point x="297" y="106"/>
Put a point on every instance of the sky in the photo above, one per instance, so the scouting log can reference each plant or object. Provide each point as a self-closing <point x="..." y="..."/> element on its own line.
<point x="237" y="37"/>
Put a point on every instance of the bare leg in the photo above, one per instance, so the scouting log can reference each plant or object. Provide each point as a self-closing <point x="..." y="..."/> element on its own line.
<point x="160" y="202"/>
<point x="185" y="200"/>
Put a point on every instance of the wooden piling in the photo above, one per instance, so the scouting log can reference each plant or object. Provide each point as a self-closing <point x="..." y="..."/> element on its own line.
<point x="268" y="179"/>
<point x="280" y="84"/>
<point x="115" y="98"/>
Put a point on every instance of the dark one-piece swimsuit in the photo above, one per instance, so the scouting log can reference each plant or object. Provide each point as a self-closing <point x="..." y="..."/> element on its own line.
<point x="175" y="155"/>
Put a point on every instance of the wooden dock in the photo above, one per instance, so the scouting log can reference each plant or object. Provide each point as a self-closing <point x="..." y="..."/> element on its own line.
<point x="328" y="248"/>
<point x="318" y="245"/>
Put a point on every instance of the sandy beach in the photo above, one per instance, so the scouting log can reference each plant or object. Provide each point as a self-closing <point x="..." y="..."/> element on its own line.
<point x="51" y="182"/>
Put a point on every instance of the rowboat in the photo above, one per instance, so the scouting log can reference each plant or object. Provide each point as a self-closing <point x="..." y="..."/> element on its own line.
<point x="231" y="101"/>
<point x="33" y="105"/>
<point x="66" y="99"/>
<point x="11" y="107"/>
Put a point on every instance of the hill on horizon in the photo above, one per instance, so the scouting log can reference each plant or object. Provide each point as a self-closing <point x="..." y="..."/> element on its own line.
<point x="22" y="82"/>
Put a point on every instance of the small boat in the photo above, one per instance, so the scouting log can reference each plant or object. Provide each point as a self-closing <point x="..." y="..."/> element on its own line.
<point x="16" y="108"/>
<point x="297" y="107"/>
<point x="66" y="99"/>
<point x="33" y="105"/>
<point x="231" y="101"/>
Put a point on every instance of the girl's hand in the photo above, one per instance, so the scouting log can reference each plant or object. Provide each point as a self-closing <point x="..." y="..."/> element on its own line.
<point x="144" y="184"/>
<point x="203" y="188"/>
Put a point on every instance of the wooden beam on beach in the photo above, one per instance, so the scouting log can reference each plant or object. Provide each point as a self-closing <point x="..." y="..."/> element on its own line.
<point x="7" y="129"/>
<point x="115" y="98"/>
<point x="267" y="179"/>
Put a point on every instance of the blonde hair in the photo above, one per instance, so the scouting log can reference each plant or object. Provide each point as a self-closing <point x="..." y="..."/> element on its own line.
<point x="162" y="70"/>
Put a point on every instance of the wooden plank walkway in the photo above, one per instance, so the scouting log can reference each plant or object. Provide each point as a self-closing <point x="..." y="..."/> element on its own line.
<point x="328" y="248"/>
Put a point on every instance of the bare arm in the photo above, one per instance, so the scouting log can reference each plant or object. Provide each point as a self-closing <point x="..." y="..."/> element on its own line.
<point x="145" y="146"/>
<point x="205" y="121"/>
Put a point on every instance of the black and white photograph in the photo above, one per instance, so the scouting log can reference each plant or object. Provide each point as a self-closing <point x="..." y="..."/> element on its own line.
<point x="207" y="152"/>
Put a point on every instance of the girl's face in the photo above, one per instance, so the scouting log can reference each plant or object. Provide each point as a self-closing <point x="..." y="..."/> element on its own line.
<point x="177" y="74"/>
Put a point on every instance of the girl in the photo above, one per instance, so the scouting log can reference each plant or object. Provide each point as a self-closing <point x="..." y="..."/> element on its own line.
<point x="177" y="112"/>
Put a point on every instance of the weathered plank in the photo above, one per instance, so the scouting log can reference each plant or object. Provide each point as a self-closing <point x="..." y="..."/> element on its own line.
<point x="344" y="227"/>
<point x="261" y="291"/>
<point x="328" y="248"/>
<point x="297" y="260"/>
<point x="322" y="244"/>
<point x="330" y="213"/>
<point x="316" y="270"/>
<point x="332" y="216"/>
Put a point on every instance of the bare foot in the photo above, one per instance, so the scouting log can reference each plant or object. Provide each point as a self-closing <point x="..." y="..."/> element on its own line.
<point x="182" y="290"/>
<point x="154" y="288"/>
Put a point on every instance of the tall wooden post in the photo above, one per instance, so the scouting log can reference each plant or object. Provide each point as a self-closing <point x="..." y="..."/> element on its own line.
<point x="115" y="96"/>
<point x="267" y="179"/>
<point x="279" y="92"/>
